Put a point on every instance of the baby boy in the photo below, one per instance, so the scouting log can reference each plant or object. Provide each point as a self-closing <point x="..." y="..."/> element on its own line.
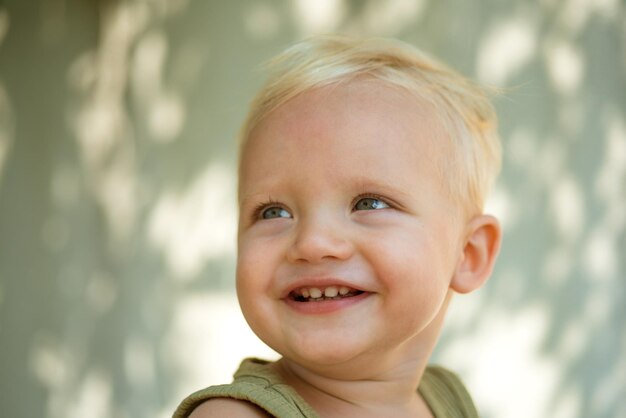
<point x="363" y="171"/>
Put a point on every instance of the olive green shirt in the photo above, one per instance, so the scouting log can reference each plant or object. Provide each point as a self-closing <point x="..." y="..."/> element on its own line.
<point x="442" y="390"/>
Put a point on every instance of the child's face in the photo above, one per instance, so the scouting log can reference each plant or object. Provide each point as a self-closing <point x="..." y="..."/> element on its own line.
<point x="339" y="189"/>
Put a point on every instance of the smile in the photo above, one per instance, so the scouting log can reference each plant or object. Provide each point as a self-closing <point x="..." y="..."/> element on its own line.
<point x="318" y="294"/>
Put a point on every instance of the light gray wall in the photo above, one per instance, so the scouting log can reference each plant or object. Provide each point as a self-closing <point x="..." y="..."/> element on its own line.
<point x="117" y="151"/>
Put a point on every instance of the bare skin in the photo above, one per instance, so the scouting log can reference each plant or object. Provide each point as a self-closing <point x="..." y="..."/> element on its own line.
<point x="226" y="407"/>
<point x="324" y="199"/>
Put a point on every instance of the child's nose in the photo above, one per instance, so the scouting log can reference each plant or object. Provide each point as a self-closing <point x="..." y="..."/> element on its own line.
<point x="319" y="240"/>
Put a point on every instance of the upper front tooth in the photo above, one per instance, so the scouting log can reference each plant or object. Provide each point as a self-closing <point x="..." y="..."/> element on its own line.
<point x="331" y="292"/>
<point x="315" y="293"/>
<point x="343" y="290"/>
<point x="305" y="292"/>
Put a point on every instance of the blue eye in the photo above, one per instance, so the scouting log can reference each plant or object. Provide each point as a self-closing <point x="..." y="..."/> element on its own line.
<point x="274" y="212"/>
<point x="370" y="203"/>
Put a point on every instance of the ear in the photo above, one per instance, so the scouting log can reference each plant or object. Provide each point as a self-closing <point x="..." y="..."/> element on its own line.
<point x="480" y="250"/>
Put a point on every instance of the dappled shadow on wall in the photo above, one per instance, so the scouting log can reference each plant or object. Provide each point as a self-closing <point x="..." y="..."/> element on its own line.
<point x="548" y="324"/>
<point x="137" y="237"/>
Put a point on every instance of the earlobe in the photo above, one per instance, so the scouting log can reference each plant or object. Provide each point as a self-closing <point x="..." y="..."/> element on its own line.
<point x="480" y="250"/>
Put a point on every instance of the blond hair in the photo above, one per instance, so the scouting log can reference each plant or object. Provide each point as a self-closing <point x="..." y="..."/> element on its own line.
<point x="462" y="106"/>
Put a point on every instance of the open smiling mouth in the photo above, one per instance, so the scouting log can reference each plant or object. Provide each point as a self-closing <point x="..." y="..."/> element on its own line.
<point x="317" y="294"/>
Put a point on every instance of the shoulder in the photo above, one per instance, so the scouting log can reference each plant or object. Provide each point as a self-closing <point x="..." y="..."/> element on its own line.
<point x="448" y="379"/>
<point x="442" y="389"/>
<point x="227" y="407"/>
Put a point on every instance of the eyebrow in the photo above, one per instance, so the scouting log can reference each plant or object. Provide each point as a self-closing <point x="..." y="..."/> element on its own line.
<point x="370" y="184"/>
<point x="243" y="200"/>
<point x="362" y="184"/>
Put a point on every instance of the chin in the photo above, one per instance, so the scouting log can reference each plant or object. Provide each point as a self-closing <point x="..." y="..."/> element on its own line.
<point x="325" y="358"/>
<point x="319" y="349"/>
<point x="326" y="355"/>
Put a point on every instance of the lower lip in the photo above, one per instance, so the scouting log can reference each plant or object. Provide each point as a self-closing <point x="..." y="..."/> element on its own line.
<point x="325" y="306"/>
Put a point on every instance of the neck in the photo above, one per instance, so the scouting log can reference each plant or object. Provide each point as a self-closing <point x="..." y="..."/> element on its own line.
<point x="386" y="393"/>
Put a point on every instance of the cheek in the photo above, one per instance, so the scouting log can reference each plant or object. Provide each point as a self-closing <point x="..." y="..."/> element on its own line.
<point x="257" y="262"/>
<point x="413" y="274"/>
<point x="417" y="292"/>
<point x="250" y="269"/>
<point x="248" y="275"/>
<point x="252" y="280"/>
<point x="413" y="307"/>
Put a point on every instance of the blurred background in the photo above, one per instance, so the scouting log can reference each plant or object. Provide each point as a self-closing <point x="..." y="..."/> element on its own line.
<point x="118" y="122"/>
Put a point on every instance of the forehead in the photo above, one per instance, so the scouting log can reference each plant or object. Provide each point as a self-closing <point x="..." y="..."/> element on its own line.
<point x="364" y="97"/>
<point x="364" y="122"/>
